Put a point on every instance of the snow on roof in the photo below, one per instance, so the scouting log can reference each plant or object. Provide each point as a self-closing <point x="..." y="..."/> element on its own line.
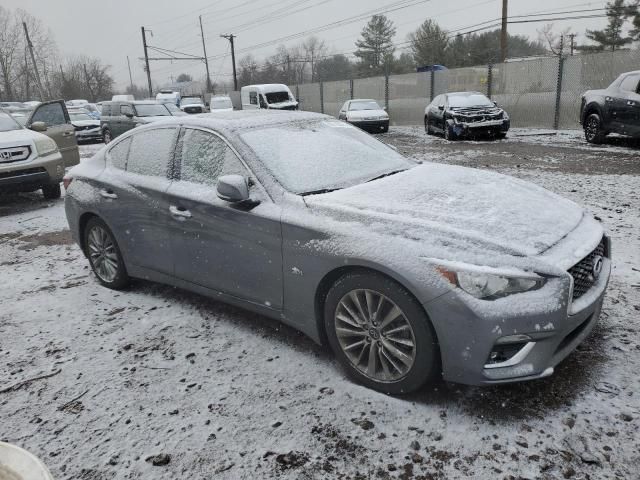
<point x="252" y="118"/>
<point x="269" y="87"/>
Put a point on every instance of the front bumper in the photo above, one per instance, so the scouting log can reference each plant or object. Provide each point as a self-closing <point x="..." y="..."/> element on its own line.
<point x="30" y="175"/>
<point x="371" y="126"/>
<point x="476" y="129"/>
<point x="467" y="337"/>
<point x="92" y="134"/>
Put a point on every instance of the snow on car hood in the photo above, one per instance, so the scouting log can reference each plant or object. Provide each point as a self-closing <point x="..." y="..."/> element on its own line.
<point x="85" y="123"/>
<point x="449" y="203"/>
<point x="16" y="138"/>
<point x="362" y="114"/>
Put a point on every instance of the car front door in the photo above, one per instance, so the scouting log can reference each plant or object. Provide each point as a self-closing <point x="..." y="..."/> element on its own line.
<point x="437" y="113"/>
<point x="133" y="199"/>
<point x="232" y="249"/>
<point x="54" y="114"/>
<point x="630" y="105"/>
<point x="126" y="117"/>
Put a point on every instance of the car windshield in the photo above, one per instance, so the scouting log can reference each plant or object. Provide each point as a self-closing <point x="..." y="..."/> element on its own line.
<point x="323" y="155"/>
<point x="80" y="116"/>
<point x="152" y="110"/>
<point x="365" y="105"/>
<point x="217" y="103"/>
<point x="8" y="123"/>
<point x="190" y="100"/>
<point x="277" y="97"/>
<point x="476" y="100"/>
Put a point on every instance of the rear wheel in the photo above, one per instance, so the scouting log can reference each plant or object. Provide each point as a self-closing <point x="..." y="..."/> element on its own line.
<point x="51" y="192"/>
<point x="593" y="131"/>
<point x="104" y="255"/>
<point x="106" y="136"/>
<point x="380" y="333"/>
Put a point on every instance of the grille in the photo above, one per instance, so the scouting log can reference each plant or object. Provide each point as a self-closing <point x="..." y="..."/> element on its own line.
<point x="14" y="154"/>
<point x="193" y="109"/>
<point x="582" y="272"/>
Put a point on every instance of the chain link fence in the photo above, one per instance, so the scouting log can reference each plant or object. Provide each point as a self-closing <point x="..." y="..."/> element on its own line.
<point x="541" y="92"/>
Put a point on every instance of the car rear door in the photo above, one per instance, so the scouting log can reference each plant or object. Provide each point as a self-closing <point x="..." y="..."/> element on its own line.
<point x="133" y="196"/>
<point x="228" y="248"/>
<point x="54" y="114"/>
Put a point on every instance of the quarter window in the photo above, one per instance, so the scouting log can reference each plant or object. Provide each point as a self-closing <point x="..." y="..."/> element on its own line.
<point x="151" y="151"/>
<point x="253" y="98"/>
<point x="206" y="157"/>
<point x="118" y="154"/>
<point x="51" y="114"/>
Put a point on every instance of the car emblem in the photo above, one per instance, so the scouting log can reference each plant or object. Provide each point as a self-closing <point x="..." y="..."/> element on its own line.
<point x="5" y="155"/>
<point x="597" y="267"/>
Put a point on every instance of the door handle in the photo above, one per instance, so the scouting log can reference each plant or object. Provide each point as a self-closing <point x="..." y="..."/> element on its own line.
<point x="68" y="134"/>
<point x="179" y="212"/>
<point x="631" y="103"/>
<point x="608" y="99"/>
<point x="108" y="194"/>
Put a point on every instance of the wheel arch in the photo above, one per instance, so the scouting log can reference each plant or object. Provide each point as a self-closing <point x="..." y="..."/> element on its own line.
<point x="590" y="108"/>
<point x="332" y="276"/>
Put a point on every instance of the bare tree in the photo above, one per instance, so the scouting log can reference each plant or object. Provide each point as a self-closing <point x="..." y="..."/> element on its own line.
<point x="314" y="50"/>
<point x="553" y="40"/>
<point x="10" y="43"/>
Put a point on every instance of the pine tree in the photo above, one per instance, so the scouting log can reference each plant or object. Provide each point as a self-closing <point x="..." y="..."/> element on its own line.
<point x="429" y="44"/>
<point x="376" y="45"/>
<point x="611" y="38"/>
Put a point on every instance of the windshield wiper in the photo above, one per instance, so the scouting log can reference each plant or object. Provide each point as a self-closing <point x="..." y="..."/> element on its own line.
<point x="386" y="175"/>
<point x="320" y="191"/>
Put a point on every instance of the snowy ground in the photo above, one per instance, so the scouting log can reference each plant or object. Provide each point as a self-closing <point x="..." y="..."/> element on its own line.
<point x="228" y="394"/>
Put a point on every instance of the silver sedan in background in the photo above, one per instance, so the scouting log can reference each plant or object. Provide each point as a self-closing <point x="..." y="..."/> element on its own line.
<point x="408" y="271"/>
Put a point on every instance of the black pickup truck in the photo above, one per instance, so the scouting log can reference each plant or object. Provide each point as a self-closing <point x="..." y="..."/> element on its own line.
<point x="616" y="109"/>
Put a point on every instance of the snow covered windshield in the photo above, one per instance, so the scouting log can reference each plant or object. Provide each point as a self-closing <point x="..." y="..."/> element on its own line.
<point x="191" y="101"/>
<point x="461" y="101"/>
<point x="323" y="155"/>
<point x="277" y="97"/>
<point x="8" y="123"/>
<point x="217" y="103"/>
<point x="152" y="110"/>
<point x="80" y="116"/>
<point x="369" y="105"/>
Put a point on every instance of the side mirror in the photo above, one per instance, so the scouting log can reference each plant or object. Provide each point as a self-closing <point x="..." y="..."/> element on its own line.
<point x="128" y="115"/>
<point x="441" y="107"/>
<point x="38" y="127"/>
<point x="495" y="103"/>
<point x="233" y="188"/>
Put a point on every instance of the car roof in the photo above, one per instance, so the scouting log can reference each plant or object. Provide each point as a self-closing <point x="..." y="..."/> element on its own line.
<point x="463" y="94"/>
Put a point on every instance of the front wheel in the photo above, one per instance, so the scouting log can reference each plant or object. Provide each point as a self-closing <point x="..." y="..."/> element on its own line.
<point x="427" y="126"/>
<point x="51" y="192"/>
<point x="449" y="134"/>
<point x="593" y="131"/>
<point x="380" y="333"/>
<point x="104" y="255"/>
<point x="106" y="136"/>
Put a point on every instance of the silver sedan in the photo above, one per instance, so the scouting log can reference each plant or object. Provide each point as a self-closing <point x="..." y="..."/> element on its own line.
<point x="409" y="271"/>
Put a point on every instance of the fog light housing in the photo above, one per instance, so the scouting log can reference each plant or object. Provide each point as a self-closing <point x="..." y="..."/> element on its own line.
<point x="509" y="351"/>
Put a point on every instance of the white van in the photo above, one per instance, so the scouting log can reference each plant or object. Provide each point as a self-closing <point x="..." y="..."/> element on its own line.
<point x="275" y="96"/>
<point x="166" y="96"/>
<point x="123" y="98"/>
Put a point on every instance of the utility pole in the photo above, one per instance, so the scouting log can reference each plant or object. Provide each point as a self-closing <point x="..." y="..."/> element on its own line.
<point x="561" y="45"/>
<point x="130" y="76"/>
<point x="206" y="60"/>
<point x="572" y="36"/>
<point x="503" y="33"/>
<point x="146" y="60"/>
<point x="33" y="60"/>
<point x="230" y="37"/>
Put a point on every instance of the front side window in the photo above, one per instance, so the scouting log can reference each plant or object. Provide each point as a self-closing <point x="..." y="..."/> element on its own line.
<point x="51" y="114"/>
<point x="206" y="157"/>
<point x="630" y="83"/>
<point x="151" y="151"/>
<point x="118" y="154"/>
<point x="126" y="110"/>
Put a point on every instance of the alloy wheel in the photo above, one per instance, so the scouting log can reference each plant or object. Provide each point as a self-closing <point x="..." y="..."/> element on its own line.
<point x="375" y="335"/>
<point x="102" y="254"/>
<point x="592" y="128"/>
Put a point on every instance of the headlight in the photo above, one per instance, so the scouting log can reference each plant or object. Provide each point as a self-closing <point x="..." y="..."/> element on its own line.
<point x="45" y="146"/>
<point x="384" y="117"/>
<point x="488" y="286"/>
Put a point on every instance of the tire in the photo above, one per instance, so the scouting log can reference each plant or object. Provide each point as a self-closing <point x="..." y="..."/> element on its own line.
<point x="100" y="244"/>
<point x="51" y="192"/>
<point x="449" y="134"/>
<point x="385" y="129"/>
<point x="107" y="136"/>
<point x="421" y="359"/>
<point x="593" y="131"/>
<point x="427" y="126"/>
<point x="501" y="135"/>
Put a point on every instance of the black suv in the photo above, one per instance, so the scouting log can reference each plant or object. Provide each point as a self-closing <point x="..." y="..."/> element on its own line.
<point x="616" y="109"/>
<point x="118" y="117"/>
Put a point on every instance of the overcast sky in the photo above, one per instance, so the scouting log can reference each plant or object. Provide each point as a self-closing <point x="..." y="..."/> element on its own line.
<point x="111" y="30"/>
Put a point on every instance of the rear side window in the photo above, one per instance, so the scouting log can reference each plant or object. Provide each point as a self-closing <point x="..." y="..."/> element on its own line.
<point x="206" y="157"/>
<point x="118" y="154"/>
<point x="51" y="114"/>
<point x="151" y="152"/>
<point x="630" y="83"/>
<point x="106" y="110"/>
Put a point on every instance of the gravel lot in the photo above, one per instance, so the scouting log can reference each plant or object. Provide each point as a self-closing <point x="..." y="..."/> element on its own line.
<point x="160" y="383"/>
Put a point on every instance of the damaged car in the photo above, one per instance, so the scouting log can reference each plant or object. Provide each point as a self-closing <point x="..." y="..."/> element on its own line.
<point x="408" y="271"/>
<point x="465" y="114"/>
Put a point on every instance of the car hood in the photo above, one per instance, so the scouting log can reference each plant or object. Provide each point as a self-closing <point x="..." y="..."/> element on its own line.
<point x="190" y="105"/>
<point x="361" y="114"/>
<point x="20" y="137"/>
<point x="85" y="123"/>
<point x="445" y="204"/>
<point x="152" y="119"/>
